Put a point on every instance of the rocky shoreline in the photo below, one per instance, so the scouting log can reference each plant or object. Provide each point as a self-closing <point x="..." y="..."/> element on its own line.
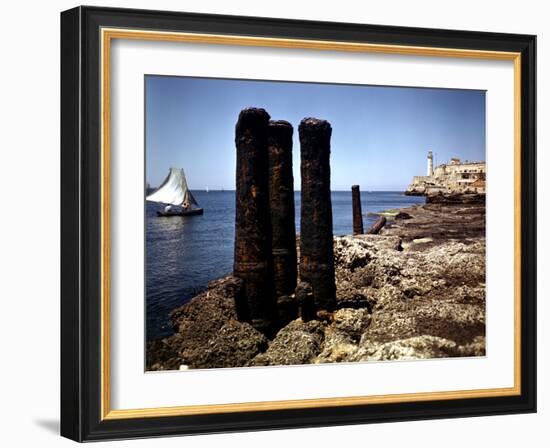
<point x="416" y="290"/>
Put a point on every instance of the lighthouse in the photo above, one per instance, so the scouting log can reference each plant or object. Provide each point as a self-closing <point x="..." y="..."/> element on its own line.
<point x="430" y="164"/>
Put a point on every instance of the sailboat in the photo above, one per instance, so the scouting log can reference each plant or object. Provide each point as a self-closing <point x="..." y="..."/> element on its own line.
<point x="176" y="196"/>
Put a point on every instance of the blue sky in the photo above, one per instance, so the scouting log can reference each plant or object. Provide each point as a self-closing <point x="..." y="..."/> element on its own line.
<point x="380" y="135"/>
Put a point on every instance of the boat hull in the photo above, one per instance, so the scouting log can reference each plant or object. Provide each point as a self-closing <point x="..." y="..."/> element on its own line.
<point x="195" y="211"/>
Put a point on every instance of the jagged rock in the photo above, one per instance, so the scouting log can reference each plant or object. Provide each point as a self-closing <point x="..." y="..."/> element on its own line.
<point x="351" y="253"/>
<point x="472" y="198"/>
<point x="395" y="300"/>
<point x="474" y="348"/>
<point x="161" y="355"/>
<point x="235" y="345"/>
<point x="200" y="320"/>
<point x="418" y="347"/>
<point x="441" y="222"/>
<point x="232" y="287"/>
<point x="352" y="322"/>
<point x="459" y="322"/>
<point x="349" y="295"/>
<point x="228" y="286"/>
<point x="297" y="343"/>
<point x="337" y="347"/>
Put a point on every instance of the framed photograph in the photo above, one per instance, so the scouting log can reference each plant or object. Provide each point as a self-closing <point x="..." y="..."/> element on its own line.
<point x="273" y="223"/>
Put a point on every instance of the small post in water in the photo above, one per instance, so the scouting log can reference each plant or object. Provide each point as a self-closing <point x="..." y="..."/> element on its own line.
<point x="357" y="214"/>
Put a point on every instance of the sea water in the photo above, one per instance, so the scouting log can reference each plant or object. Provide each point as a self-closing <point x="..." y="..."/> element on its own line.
<point x="184" y="253"/>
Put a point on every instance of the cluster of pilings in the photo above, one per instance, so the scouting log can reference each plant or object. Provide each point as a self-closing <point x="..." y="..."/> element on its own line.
<point x="265" y="231"/>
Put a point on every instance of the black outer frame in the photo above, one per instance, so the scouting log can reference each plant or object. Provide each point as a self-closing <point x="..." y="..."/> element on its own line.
<point x="80" y="223"/>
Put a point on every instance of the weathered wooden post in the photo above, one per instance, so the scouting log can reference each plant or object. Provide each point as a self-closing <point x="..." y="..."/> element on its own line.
<point x="316" y="240"/>
<point x="377" y="226"/>
<point x="281" y="205"/>
<point x="252" y="224"/>
<point x="356" y="206"/>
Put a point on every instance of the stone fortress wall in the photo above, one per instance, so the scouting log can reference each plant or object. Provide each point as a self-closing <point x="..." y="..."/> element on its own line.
<point x="455" y="177"/>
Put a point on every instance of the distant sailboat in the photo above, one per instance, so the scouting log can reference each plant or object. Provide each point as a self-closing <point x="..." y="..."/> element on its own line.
<point x="176" y="196"/>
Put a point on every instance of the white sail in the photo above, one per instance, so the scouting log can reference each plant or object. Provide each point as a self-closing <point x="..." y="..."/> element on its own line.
<point x="173" y="190"/>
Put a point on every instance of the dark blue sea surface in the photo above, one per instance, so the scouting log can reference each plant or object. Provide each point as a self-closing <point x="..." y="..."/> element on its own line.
<point x="184" y="253"/>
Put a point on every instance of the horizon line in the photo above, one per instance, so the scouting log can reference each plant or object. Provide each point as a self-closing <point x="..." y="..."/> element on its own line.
<point x="297" y="191"/>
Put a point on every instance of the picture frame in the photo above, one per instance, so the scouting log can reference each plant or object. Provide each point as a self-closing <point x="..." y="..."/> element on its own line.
<point x="86" y="37"/>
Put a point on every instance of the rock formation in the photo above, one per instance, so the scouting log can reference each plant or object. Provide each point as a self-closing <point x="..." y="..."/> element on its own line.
<point x="415" y="291"/>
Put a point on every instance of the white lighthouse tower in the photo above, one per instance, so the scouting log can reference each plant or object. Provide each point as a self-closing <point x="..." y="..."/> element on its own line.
<point x="430" y="164"/>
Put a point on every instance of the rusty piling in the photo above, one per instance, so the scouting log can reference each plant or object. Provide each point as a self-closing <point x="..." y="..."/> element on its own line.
<point x="356" y="206"/>
<point x="281" y="206"/>
<point x="377" y="226"/>
<point x="316" y="239"/>
<point x="252" y="261"/>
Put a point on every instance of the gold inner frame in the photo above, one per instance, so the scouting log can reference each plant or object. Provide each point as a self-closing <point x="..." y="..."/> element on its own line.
<point x="107" y="35"/>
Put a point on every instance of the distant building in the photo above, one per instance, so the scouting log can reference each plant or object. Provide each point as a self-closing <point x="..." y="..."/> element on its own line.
<point x="455" y="177"/>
